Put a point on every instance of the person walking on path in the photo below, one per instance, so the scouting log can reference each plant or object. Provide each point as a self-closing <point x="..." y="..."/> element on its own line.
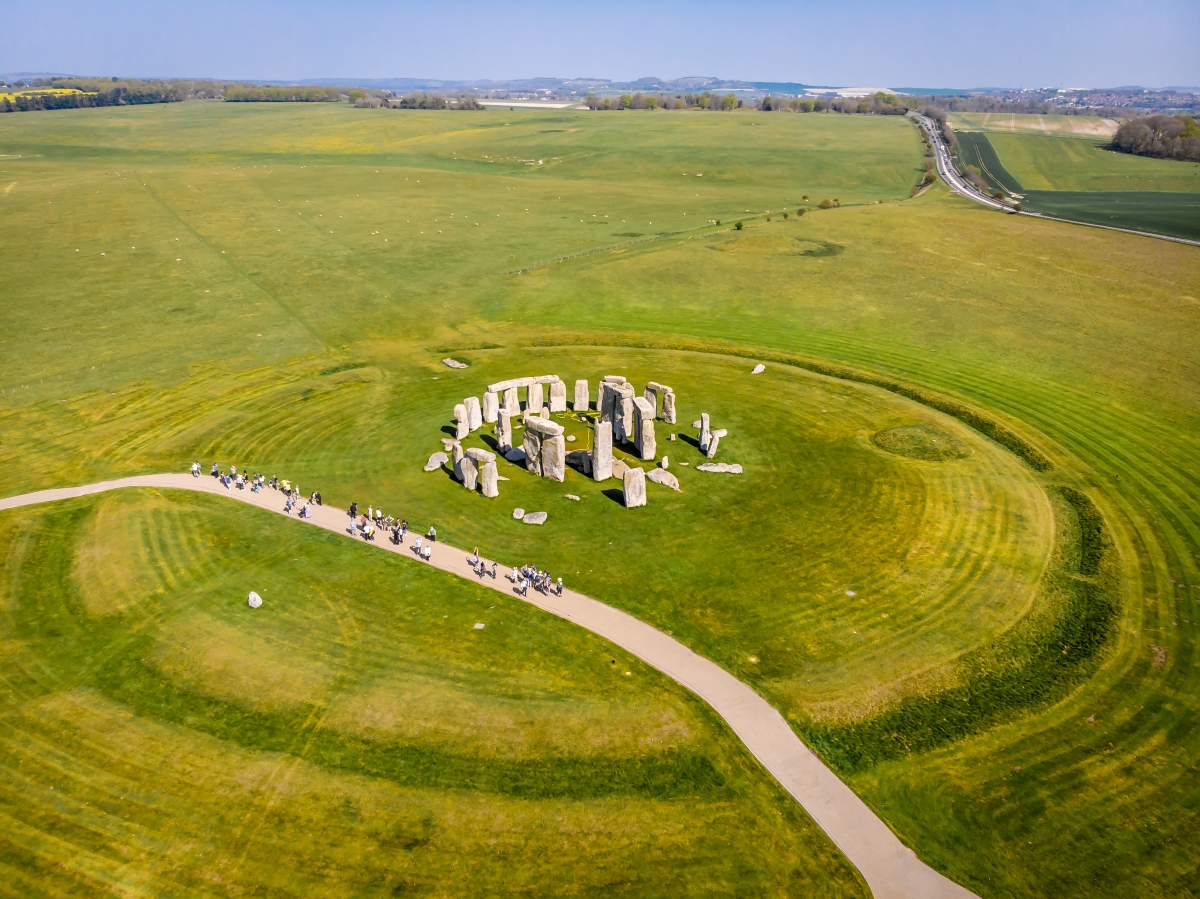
<point x="495" y="568"/>
<point x="417" y="547"/>
<point x="404" y="529"/>
<point x="195" y="469"/>
<point x="432" y="535"/>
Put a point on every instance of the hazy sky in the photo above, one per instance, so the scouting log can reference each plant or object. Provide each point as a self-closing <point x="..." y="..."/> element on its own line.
<point x="926" y="43"/>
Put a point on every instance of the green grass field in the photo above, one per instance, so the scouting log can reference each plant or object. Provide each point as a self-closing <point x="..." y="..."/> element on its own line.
<point x="277" y="289"/>
<point x="1087" y="127"/>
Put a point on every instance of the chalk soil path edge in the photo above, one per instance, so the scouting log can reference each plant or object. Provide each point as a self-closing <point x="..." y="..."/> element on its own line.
<point x="891" y="870"/>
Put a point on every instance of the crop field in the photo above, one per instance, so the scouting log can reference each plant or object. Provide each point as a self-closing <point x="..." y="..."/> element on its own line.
<point x="961" y="561"/>
<point x="1012" y="123"/>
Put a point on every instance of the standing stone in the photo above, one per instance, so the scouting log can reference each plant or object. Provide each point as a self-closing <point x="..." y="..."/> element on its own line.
<point x="512" y="402"/>
<point x="463" y="421"/>
<point x="456" y="457"/>
<point x="582" y="400"/>
<point x="504" y="430"/>
<point x="558" y="396"/>
<point x="491" y="407"/>
<point x="602" y="451"/>
<point x="713" y="440"/>
<point x="665" y="463"/>
<point x="474" y="415"/>
<point x="704" y="432"/>
<point x="470" y="472"/>
<point x="554" y="458"/>
<point x="489" y="479"/>
<point x="623" y="413"/>
<point x="668" y="407"/>
<point x="643" y="428"/>
<point x="545" y="413"/>
<point x="533" y="451"/>
<point x="634" y="488"/>
<point x="533" y="401"/>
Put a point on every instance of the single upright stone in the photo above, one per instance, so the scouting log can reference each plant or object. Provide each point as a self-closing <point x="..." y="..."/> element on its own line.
<point x="602" y="451"/>
<point x="605" y="398"/>
<point x="462" y="421"/>
<point x="534" y="401"/>
<point x="489" y="480"/>
<point x="491" y="407"/>
<point x="512" y="402"/>
<point x="456" y="457"/>
<point x="504" y="430"/>
<point x="704" y="432"/>
<point x="668" y="407"/>
<point x="643" y="428"/>
<point x="582" y="399"/>
<point x="474" y="415"/>
<point x="533" y="451"/>
<point x="470" y="472"/>
<point x="713" y="440"/>
<point x="554" y="458"/>
<point x="634" y="487"/>
<point x="623" y="413"/>
<point x="558" y="396"/>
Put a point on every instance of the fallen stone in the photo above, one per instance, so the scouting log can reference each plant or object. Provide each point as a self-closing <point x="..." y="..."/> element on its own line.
<point x="658" y="476"/>
<point x="619" y="468"/>
<point x="535" y="517"/>
<point x="582" y="398"/>
<point x="488" y="477"/>
<point x="448" y="442"/>
<point x="470" y="472"/>
<point x="516" y="454"/>
<point x="704" y="432"/>
<point x="254" y="600"/>
<point x="453" y="363"/>
<point x="720" y="467"/>
<point x="491" y="407"/>
<point x="713" y="442"/>
<point x="518" y="513"/>
<point x="474" y="415"/>
<point x="436" y="461"/>
<point x="758" y="369"/>
<point x="572" y="497"/>
<point x="633" y="488"/>
<point x="554" y="457"/>
<point x="570" y="438"/>
<point x="558" y="396"/>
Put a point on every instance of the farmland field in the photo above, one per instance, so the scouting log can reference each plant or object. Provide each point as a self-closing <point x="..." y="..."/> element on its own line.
<point x="959" y="560"/>
<point x="1061" y="125"/>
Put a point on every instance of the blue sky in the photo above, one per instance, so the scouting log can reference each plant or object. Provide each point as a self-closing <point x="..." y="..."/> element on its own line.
<point x="926" y="43"/>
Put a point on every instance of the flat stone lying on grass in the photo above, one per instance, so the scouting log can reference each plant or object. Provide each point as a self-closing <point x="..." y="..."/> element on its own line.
<point x="758" y="369"/>
<point x="714" y="440"/>
<point x="658" y="476"/>
<point x="535" y="517"/>
<point x="518" y="513"/>
<point x="453" y="363"/>
<point x="572" y="496"/>
<point x="254" y="600"/>
<point x="720" y="467"/>
<point x="436" y="461"/>
<point x="618" y="468"/>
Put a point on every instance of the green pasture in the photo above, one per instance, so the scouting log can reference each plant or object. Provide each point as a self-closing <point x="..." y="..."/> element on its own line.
<point x="357" y="735"/>
<point x="958" y="560"/>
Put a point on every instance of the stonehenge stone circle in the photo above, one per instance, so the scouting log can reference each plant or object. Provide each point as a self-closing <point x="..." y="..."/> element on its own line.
<point x="533" y="399"/>
<point x="462" y="420"/>
<point x="474" y="415"/>
<point x="469" y="472"/>
<point x="602" y="457"/>
<point x="436" y="461"/>
<point x="633" y="488"/>
<point x="582" y="398"/>
<point x="558" y="396"/>
<point x="653" y="391"/>
<point x="456" y="457"/>
<point x="554" y="458"/>
<point x="488" y="480"/>
<point x="504" y="431"/>
<point x="643" y="428"/>
<point x="491" y="407"/>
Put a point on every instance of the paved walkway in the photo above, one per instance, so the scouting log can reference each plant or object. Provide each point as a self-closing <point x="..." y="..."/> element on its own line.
<point x="891" y="870"/>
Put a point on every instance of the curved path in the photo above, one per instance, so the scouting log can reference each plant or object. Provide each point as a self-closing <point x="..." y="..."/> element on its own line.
<point x="891" y="870"/>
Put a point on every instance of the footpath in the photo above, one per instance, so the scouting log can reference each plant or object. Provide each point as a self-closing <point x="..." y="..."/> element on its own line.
<point x="891" y="870"/>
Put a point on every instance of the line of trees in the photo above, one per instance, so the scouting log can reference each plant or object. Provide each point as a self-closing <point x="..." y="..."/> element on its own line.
<point x="79" y="93"/>
<point x="1166" y="137"/>
<point x="879" y="103"/>
<point x="706" y="100"/>
<point x="251" y="93"/>
<point x="414" y="101"/>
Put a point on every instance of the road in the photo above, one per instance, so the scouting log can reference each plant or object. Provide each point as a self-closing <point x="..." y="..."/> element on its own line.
<point x="891" y="869"/>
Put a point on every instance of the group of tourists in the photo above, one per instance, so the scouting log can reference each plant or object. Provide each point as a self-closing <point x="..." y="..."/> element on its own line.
<point x="480" y="567"/>
<point x="374" y="521"/>
<point x="529" y="576"/>
<point x="259" y="482"/>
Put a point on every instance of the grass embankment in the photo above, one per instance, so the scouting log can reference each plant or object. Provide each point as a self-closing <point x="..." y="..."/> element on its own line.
<point x="1034" y="332"/>
<point x="357" y="735"/>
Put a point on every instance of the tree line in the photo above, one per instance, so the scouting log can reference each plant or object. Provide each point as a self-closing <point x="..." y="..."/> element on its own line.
<point x="418" y="100"/>
<point x="1165" y="137"/>
<point x="64" y="93"/>
<point x="251" y="93"/>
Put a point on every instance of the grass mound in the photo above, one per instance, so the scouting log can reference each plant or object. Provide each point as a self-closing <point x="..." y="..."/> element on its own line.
<point x="925" y="441"/>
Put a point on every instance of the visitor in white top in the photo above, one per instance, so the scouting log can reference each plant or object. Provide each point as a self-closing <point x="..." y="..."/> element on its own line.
<point x="195" y="469"/>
